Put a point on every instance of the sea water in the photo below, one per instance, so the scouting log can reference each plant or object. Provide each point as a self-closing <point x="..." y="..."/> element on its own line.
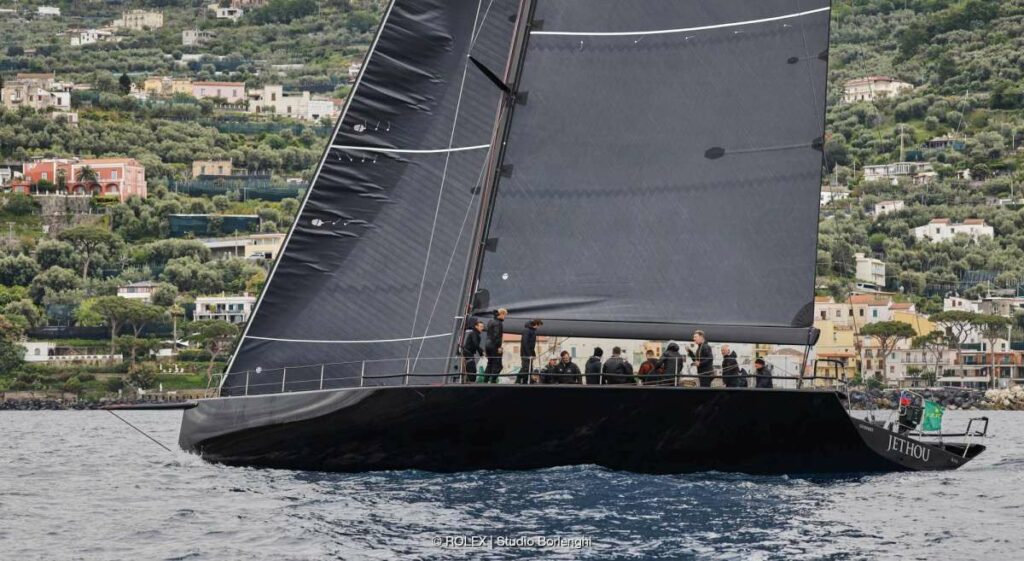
<point x="82" y="485"/>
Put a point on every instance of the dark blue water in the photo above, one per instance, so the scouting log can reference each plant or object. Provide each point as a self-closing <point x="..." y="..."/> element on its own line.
<point x="81" y="485"/>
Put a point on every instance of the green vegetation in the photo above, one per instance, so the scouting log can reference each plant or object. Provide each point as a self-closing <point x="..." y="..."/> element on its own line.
<point x="962" y="57"/>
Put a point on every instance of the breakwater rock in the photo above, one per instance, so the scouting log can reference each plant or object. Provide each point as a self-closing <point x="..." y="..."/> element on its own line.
<point x="1011" y="399"/>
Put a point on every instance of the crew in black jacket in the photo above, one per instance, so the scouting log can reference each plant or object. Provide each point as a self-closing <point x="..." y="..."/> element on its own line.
<point x="566" y="370"/>
<point x="593" y="367"/>
<point x="471" y="348"/>
<point x="670" y="363"/>
<point x="495" y="332"/>
<point x="617" y="370"/>
<point x="528" y="352"/>
<point x="704" y="359"/>
<point x="730" y="368"/>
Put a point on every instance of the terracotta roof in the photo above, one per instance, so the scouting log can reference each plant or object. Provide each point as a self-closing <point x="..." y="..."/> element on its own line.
<point x="869" y="299"/>
<point x="940" y="221"/>
<point x="901" y="306"/>
<point x="823" y="299"/>
<point x="974" y="221"/>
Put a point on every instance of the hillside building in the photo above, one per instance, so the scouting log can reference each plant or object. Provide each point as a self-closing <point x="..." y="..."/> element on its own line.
<point x="120" y="177"/>
<point x="871" y="88"/>
<point x="943" y="229"/>
<point x="138" y="20"/>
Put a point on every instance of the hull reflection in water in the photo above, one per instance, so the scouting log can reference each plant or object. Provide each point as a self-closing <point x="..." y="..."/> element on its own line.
<point x="469" y="427"/>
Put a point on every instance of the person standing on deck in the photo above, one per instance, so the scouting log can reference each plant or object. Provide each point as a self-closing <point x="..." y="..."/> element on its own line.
<point x="550" y="373"/>
<point x="593" y="367"/>
<point x="763" y="373"/>
<point x="471" y="348"/>
<point x="648" y="370"/>
<point x="703" y="358"/>
<point x="671" y="362"/>
<point x="495" y="332"/>
<point x="528" y="352"/>
<point x="567" y="371"/>
<point x="617" y="370"/>
<point x="730" y="367"/>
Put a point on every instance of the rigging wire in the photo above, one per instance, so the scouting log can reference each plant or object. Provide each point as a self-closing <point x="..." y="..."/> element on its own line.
<point x="140" y="431"/>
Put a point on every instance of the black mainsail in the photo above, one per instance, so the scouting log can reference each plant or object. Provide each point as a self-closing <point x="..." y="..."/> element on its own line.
<point x="373" y="269"/>
<point x="662" y="173"/>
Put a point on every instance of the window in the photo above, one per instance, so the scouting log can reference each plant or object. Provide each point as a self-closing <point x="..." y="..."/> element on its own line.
<point x="823" y="314"/>
<point x="874" y="313"/>
<point x="861" y="314"/>
<point x="113" y="174"/>
<point x="44" y="176"/>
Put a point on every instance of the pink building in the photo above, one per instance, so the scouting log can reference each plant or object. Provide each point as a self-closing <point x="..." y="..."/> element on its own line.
<point x="234" y="92"/>
<point x="121" y="177"/>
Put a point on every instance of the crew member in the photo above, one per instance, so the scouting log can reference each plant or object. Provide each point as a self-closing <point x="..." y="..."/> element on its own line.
<point x="617" y="370"/>
<point x="704" y="359"/>
<point x="471" y="348"/>
<point x="528" y="352"/>
<point x="593" y="367"/>
<point x="763" y="373"/>
<point x="495" y="332"/>
<point x="671" y="362"/>
<point x="648" y="369"/>
<point x="550" y="373"/>
<point x="730" y="367"/>
<point x="567" y="371"/>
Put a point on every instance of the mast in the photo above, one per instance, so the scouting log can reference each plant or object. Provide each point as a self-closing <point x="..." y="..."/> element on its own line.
<point x="513" y="71"/>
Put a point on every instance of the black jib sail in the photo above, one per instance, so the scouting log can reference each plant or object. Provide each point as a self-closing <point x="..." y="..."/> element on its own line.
<point x="662" y="170"/>
<point x="373" y="270"/>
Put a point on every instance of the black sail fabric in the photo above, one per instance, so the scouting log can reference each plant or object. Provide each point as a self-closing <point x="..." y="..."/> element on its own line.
<point x="371" y="275"/>
<point x="662" y="173"/>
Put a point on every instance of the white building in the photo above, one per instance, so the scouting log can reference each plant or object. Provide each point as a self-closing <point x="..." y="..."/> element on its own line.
<point x="48" y="11"/>
<point x="873" y="87"/>
<point x="91" y="37"/>
<point x="140" y="19"/>
<point x="918" y="173"/>
<point x="234" y="309"/>
<point x="273" y="99"/>
<point x="40" y="91"/>
<point x="195" y="37"/>
<point x="138" y="291"/>
<point x="886" y="207"/>
<point x="830" y="194"/>
<point x="943" y="229"/>
<point x="48" y="351"/>
<point x="870" y="270"/>
<point x="233" y="14"/>
<point x="353" y="70"/>
<point x="960" y="304"/>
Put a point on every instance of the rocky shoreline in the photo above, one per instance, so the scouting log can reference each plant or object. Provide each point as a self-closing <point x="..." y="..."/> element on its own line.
<point x="43" y="404"/>
<point x="952" y="399"/>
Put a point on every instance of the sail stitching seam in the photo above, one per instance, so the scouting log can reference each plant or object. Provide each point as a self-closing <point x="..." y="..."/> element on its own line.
<point x="681" y="30"/>
<point x="353" y="341"/>
<point x="410" y="150"/>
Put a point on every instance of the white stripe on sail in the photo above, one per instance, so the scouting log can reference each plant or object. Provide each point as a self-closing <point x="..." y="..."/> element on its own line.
<point x="352" y="342"/>
<point x="681" y="30"/>
<point x="410" y="151"/>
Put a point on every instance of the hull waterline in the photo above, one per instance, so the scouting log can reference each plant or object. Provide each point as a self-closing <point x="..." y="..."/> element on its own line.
<point x="467" y="427"/>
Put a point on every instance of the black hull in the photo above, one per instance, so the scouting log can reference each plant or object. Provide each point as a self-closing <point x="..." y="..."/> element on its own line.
<point x="467" y="427"/>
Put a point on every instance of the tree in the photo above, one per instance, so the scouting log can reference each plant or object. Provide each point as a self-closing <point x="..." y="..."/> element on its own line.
<point x="888" y="334"/>
<point x="214" y="335"/>
<point x="109" y="310"/>
<point x="991" y="328"/>
<point x="132" y="346"/>
<point x="53" y="280"/>
<point x="959" y="324"/>
<point x="17" y="270"/>
<point x="88" y="241"/>
<point x="12" y="355"/>
<point x="125" y="83"/>
<point x="934" y="343"/>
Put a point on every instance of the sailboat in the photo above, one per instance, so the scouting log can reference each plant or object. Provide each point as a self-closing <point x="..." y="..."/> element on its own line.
<point x="619" y="169"/>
